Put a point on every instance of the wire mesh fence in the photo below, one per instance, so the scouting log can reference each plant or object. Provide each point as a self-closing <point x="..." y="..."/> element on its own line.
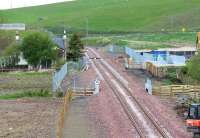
<point x="69" y="69"/>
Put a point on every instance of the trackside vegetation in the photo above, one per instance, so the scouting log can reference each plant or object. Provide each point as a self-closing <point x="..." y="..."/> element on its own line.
<point x="41" y="93"/>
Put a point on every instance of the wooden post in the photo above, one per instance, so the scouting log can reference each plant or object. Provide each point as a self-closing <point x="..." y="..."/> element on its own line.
<point x="198" y="41"/>
<point x="171" y="93"/>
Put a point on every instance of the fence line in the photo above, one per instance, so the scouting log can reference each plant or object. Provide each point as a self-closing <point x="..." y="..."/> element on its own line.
<point x="177" y="90"/>
<point x="64" y="109"/>
<point x="59" y="76"/>
<point x="83" y="91"/>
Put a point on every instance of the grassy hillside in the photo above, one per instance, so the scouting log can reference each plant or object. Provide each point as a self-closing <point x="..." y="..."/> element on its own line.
<point x="145" y="40"/>
<point x="112" y="15"/>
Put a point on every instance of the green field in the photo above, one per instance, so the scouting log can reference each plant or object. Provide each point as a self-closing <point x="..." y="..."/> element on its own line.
<point x="17" y="82"/>
<point x="111" y="15"/>
<point x="145" y="40"/>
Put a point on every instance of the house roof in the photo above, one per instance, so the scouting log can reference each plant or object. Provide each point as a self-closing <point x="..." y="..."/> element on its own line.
<point x="59" y="41"/>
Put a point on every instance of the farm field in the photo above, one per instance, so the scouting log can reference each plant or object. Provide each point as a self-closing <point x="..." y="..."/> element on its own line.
<point x="29" y="117"/>
<point x="27" y="107"/>
<point x="24" y="82"/>
<point x="110" y="15"/>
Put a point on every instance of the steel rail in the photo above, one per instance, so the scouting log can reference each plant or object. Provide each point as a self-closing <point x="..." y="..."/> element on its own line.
<point x="126" y="109"/>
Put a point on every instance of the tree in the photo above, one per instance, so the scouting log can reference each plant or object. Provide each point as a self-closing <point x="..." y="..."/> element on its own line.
<point x="38" y="48"/>
<point x="74" y="51"/>
<point x="13" y="52"/>
<point x="13" y="49"/>
<point x="193" y="67"/>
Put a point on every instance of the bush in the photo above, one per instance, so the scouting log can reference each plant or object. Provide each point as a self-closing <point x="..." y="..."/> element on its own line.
<point x="172" y="76"/>
<point x="59" y="94"/>
<point x="184" y="70"/>
<point x="59" y="63"/>
<point x="194" y="67"/>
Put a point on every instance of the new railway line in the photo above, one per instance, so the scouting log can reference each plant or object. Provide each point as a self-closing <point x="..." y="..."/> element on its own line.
<point x="142" y="120"/>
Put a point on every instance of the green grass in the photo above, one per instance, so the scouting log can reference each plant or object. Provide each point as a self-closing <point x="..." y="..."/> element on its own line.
<point x="187" y="37"/>
<point x="97" y="41"/>
<point x="144" y="40"/>
<point x="41" y="93"/>
<point x="111" y="15"/>
<point x="33" y="81"/>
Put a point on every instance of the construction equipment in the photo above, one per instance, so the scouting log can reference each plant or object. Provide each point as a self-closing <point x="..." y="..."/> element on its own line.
<point x="193" y="119"/>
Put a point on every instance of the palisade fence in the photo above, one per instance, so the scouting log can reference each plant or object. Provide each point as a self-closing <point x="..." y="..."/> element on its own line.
<point x="58" y="76"/>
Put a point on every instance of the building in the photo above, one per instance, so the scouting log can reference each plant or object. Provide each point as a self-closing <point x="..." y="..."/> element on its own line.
<point x="14" y="26"/>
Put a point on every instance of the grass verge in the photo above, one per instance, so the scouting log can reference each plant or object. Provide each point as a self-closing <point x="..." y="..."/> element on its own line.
<point x="41" y="93"/>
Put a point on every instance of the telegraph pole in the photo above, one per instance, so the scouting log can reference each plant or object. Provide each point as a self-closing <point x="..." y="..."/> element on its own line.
<point x="65" y="45"/>
<point x="87" y="27"/>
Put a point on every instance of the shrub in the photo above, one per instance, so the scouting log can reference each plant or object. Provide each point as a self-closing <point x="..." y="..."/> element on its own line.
<point x="194" y="67"/>
<point x="59" y="63"/>
<point x="184" y="70"/>
<point x="41" y="93"/>
<point x="59" y="94"/>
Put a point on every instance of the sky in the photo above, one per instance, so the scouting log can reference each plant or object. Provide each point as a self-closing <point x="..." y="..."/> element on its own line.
<point x="8" y="4"/>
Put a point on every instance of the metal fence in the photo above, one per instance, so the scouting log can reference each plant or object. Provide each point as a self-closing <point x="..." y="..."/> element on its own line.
<point x="157" y="58"/>
<point x="58" y="77"/>
<point x="115" y="49"/>
<point x="66" y="69"/>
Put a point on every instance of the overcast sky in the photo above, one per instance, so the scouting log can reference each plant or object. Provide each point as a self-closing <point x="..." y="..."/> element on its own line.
<point x="7" y="4"/>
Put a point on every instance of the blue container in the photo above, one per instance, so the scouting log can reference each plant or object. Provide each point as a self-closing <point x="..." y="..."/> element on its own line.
<point x="155" y="54"/>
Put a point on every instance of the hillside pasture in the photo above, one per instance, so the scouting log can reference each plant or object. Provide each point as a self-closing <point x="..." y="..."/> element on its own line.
<point x="111" y="15"/>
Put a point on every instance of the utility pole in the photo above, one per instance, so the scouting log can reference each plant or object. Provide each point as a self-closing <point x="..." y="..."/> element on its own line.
<point x="87" y="27"/>
<point x="65" y="45"/>
<point x="17" y="36"/>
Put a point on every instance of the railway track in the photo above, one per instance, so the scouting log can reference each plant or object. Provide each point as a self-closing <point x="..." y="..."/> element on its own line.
<point x="144" y="122"/>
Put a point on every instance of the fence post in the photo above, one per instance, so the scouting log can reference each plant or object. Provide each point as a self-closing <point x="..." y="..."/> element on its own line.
<point x="97" y="86"/>
<point x="171" y="92"/>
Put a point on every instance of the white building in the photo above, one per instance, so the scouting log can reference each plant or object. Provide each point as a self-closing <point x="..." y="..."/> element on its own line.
<point x="14" y="26"/>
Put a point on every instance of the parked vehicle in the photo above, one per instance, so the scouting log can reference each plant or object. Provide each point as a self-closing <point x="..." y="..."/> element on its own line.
<point x="193" y="119"/>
